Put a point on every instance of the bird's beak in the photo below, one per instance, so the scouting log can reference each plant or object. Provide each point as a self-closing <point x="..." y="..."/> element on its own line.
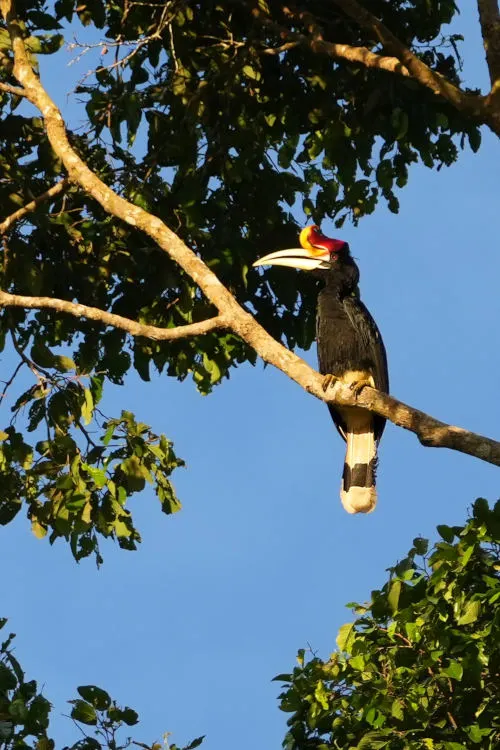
<point x="296" y="257"/>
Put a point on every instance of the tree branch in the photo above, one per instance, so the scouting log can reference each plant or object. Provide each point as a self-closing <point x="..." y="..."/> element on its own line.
<point x="110" y="319"/>
<point x="59" y="187"/>
<point x="14" y="90"/>
<point x="489" y="18"/>
<point x="471" y="104"/>
<point x="361" y="55"/>
<point x="429" y="430"/>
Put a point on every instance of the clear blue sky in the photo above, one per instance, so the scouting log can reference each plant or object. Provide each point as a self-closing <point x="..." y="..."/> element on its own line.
<point x="190" y="629"/>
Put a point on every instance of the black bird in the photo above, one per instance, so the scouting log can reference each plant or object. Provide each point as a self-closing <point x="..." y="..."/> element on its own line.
<point x="350" y="348"/>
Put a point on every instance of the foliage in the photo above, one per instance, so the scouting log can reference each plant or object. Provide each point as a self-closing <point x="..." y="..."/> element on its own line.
<point x="420" y="667"/>
<point x="200" y="118"/>
<point x="25" y="713"/>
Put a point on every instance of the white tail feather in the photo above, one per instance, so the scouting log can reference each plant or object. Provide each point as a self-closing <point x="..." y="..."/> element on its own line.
<point x="358" y="493"/>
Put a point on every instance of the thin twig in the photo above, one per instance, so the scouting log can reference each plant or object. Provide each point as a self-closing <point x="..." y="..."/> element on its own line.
<point x="9" y="382"/>
<point x="59" y="187"/>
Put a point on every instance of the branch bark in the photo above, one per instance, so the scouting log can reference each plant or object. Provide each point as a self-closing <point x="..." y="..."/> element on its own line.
<point x="59" y="187"/>
<point x="489" y="18"/>
<point x="361" y="55"/>
<point x="110" y="319"/>
<point x="14" y="90"/>
<point x="471" y="104"/>
<point x="430" y="431"/>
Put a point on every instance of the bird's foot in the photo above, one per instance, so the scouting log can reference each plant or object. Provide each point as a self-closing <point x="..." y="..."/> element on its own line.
<point x="358" y="385"/>
<point x="329" y="380"/>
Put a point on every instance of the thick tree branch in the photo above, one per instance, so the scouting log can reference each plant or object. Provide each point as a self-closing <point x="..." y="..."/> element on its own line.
<point x="110" y="319"/>
<point x="471" y="104"/>
<point x="59" y="187"/>
<point x="430" y="431"/>
<point x="489" y="18"/>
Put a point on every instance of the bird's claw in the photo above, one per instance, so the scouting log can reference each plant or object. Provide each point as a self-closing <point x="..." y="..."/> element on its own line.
<point x="329" y="380"/>
<point x="358" y="386"/>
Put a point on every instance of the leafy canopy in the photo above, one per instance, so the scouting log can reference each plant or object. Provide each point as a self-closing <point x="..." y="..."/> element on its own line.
<point x="197" y="112"/>
<point x="25" y="713"/>
<point x="419" y="669"/>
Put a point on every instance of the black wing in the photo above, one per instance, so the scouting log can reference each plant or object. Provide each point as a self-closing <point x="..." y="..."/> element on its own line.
<point x="372" y="346"/>
<point x="370" y="340"/>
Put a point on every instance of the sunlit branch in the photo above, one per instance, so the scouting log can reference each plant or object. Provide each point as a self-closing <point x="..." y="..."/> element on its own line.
<point x="361" y="55"/>
<point x="470" y="103"/>
<point x="110" y="319"/>
<point x="15" y="90"/>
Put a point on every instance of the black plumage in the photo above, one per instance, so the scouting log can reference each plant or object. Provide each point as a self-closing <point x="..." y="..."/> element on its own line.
<point x="348" y="339"/>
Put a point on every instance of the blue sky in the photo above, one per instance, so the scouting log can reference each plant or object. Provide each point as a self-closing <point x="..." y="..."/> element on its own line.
<point x="191" y="629"/>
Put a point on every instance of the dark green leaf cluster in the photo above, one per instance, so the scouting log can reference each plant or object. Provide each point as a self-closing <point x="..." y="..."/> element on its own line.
<point x="25" y="713"/>
<point x="75" y="484"/>
<point x="420" y="667"/>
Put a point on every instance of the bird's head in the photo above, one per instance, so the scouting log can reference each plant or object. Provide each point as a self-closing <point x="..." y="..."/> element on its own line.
<point x="317" y="252"/>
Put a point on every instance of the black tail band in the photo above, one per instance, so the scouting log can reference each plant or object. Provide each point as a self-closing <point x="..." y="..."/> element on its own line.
<point x="359" y="475"/>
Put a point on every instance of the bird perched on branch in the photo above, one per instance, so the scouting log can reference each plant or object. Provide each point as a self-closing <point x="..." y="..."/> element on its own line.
<point x="350" y="349"/>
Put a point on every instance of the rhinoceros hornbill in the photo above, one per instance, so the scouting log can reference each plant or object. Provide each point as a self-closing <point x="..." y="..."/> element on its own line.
<point x="350" y="348"/>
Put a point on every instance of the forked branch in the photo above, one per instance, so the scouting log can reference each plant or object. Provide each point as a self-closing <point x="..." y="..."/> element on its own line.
<point x="429" y="430"/>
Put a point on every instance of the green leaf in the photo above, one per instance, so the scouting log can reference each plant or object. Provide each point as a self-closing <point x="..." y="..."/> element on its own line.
<point x="129" y="717"/>
<point x="475" y="139"/>
<point x="454" y="670"/>
<point x="394" y="594"/>
<point x="397" y="709"/>
<point x="97" y="697"/>
<point x="321" y="695"/>
<point x="38" y="530"/>
<point x="345" y="637"/>
<point x="87" y="407"/>
<point x="195" y="743"/>
<point x="83" y="712"/>
<point x="470" y="613"/>
<point x="41" y="354"/>
<point x="63" y="364"/>
<point x="8" y="680"/>
<point x="251" y="73"/>
<point x="446" y="533"/>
